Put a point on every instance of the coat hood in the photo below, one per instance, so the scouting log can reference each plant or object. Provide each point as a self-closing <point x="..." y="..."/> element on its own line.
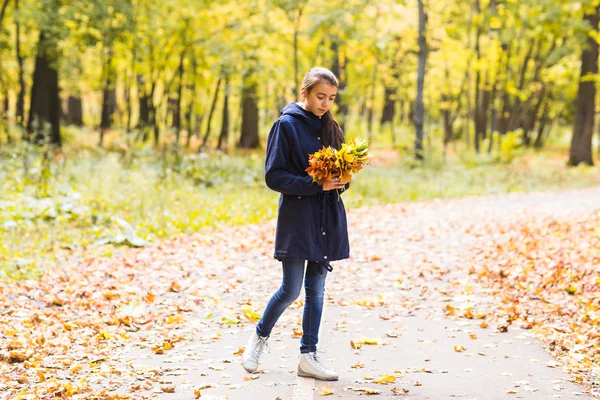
<point x="294" y="110"/>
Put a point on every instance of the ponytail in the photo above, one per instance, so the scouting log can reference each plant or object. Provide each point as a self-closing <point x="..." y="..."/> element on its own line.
<point x="332" y="133"/>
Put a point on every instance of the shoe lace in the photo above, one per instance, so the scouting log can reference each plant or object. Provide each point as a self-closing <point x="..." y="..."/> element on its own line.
<point x="261" y="344"/>
<point x="314" y="359"/>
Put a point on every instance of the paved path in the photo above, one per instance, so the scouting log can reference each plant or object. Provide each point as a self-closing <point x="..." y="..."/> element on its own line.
<point x="408" y="262"/>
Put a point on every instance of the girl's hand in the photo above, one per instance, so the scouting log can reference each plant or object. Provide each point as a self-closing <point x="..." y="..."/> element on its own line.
<point x="333" y="184"/>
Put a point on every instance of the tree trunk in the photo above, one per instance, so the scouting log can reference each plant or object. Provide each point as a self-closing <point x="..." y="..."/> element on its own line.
<point x="296" y="68"/>
<point x="188" y="121"/>
<point x="468" y="85"/>
<point x="420" y="110"/>
<point x="108" y="92"/>
<point x="74" y="111"/>
<point x="45" y="102"/>
<point x="198" y="120"/>
<point x="249" y="136"/>
<point x="478" y="98"/>
<point x="210" y="115"/>
<point x="450" y="113"/>
<point x="144" y="117"/>
<point x="177" y="111"/>
<point x="20" y="111"/>
<point x="154" y="114"/>
<point x="493" y="115"/>
<point x="109" y="96"/>
<point x="129" y="85"/>
<point x="223" y="137"/>
<point x="504" y="114"/>
<point x="338" y="69"/>
<point x="530" y="118"/>
<point x="446" y="99"/>
<point x="448" y="131"/>
<point x="371" y="112"/>
<point x="539" y="140"/>
<point x="583" y="130"/>
<point x="128" y="105"/>
<point x="3" y="11"/>
<point x="389" y="105"/>
<point x="192" y="105"/>
<point x="4" y="118"/>
<point x="516" y="109"/>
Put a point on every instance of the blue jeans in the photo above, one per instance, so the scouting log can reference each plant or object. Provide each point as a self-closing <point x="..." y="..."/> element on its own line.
<point x="314" y="287"/>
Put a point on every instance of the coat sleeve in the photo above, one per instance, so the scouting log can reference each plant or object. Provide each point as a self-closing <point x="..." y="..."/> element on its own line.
<point x="277" y="176"/>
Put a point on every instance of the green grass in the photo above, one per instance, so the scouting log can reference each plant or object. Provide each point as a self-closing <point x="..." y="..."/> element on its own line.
<point x="82" y="198"/>
<point x="461" y="179"/>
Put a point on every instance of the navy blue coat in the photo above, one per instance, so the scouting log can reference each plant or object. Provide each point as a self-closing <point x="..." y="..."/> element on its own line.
<point x="311" y="223"/>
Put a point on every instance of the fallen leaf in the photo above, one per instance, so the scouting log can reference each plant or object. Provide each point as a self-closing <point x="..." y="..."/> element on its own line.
<point x="459" y="348"/>
<point x="385" y="379"/>
<point x="168" y="389"/>
<point x="239" y="352"/>
<point x="325" y="390"/>
<point x="396" y="390"/>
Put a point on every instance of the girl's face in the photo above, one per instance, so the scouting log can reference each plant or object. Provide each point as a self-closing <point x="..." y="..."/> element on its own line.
<point x="320" y="99"/>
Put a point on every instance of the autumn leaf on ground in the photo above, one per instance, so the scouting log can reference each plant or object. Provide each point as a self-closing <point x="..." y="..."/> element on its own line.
<point x="459" y="348"/>
<point x="325" y="390"/>
<point x="168" y="388"/>
<point x="40" y="374"/>
<point x="551" y="263"/>
<point x="402" y="391"/>
<point x="365" y="340"/>
<point x="175" y="287"/>
<point x="385" y="379"/>
<point x="252" y="316"/>
<point x="355" y="345"/>
<point x="365" y="390"/>
<point x="297" y="333"/>
<point x="239" y="352"/>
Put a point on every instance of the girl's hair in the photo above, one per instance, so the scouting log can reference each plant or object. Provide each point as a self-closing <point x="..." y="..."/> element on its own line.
<point x="332" y="133"/>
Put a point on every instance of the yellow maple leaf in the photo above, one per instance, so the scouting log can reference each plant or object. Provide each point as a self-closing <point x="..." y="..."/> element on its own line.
<point x="326" y="390"/>
<point x="385" y="379"/>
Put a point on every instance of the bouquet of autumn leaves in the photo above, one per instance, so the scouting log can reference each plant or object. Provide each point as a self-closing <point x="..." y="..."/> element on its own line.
<point x="329" y="162"/>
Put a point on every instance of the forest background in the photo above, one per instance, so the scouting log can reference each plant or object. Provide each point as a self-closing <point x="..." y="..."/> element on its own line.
<point x="123" y="122"/>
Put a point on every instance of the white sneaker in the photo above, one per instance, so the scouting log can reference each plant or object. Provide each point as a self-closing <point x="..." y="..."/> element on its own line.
<point x="254" y="348"/>
<point x="311" y="366"/>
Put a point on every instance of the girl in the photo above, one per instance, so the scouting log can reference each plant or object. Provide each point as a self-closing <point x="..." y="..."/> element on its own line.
<point x="311" y="223"/>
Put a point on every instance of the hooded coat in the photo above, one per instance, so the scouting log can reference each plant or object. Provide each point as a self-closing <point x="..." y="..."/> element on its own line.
<point x="311" y="223"/>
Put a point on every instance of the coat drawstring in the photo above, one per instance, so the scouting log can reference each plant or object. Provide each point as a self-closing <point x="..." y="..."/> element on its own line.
<point x="324" y="264"/>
